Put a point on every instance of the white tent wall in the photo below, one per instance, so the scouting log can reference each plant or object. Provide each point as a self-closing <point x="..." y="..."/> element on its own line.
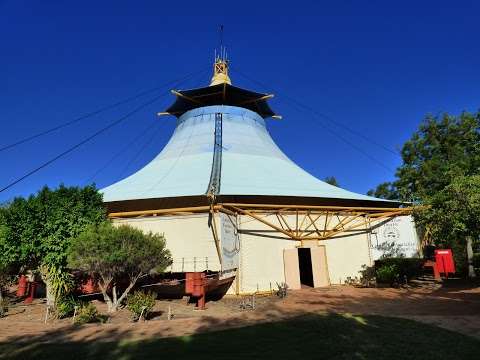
<point x="261" y="261"/>
<point x="261" y="254"/>
<point x="346" y="255"/>
<point x="261" y="257"/>
<point x="188" y="237"/>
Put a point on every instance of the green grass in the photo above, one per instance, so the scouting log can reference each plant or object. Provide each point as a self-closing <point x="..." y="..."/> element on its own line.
<point x="329" y="336"/>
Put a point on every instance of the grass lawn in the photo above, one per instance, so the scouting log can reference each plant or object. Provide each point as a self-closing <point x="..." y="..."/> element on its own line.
<point x="329" y="336"/>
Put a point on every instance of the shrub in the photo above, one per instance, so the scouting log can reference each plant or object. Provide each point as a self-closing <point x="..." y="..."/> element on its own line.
<point x="387" y="274"/>
<point x="87" y="313"/>
<point x="65" y="306"/>
<point x="476" y="260"/>
<point x="406" y="267"/>
<point x="140" y="304"/>
<point x="367" y="275"/>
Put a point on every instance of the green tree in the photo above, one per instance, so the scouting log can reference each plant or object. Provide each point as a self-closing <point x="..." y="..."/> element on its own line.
<point x="443" y="148"/>
<point x="441" y="156"/>
<point x="37" y="231"/>
<point x="386" y="190"/>
<point x="116" y="253"/>
<point x="453" y="216"/>
<point x="332" y="181"/>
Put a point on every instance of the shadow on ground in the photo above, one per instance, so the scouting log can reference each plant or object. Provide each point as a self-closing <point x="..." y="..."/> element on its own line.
<point x="309" y="336"/>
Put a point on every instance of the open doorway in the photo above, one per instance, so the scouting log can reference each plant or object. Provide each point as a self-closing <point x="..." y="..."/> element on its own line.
<point x="305" y="266"/>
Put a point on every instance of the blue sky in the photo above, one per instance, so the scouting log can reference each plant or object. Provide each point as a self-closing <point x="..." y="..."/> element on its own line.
<point x="376" y="67"/>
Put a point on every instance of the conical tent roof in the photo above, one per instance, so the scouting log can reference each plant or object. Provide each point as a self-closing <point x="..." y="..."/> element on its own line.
<point x="241" y="152"/>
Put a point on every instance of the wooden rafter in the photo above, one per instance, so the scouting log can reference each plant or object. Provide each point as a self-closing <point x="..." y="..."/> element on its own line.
<point x="305" y="222"/>
<point x="186" y="97"/>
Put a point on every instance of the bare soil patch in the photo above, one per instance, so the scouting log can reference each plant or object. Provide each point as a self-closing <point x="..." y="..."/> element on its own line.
<point x="453" y="305"/>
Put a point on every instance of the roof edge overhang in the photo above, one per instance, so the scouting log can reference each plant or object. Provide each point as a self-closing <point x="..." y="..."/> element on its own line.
<point x="257" y="200"/>
<point x="220" y="94"/>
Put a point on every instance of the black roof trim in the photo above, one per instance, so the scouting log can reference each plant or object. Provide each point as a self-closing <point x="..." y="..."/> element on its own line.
<point x="221" y="94"/>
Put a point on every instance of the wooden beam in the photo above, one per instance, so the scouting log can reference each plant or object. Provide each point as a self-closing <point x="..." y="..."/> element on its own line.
<point x="309" y="207"/>
<point x="186" y="97"/>
<point x="215" y="236"/>
<point x="159" y="211"/>
<point x="279" y="229"/>
<point x="266" y="97"/>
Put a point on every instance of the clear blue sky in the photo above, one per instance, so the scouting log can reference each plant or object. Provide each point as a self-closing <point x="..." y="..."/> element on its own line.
<point x="378" y="67"/>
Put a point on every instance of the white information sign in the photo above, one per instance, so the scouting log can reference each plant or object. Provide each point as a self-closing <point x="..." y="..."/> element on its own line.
<point x="398" y="233"/>
<point x="230" y="245"/>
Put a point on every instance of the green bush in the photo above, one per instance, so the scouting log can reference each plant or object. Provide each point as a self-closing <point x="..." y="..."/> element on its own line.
<point x="141" y="303"/>
<point x="406" y="267"/>
<point x="65" y="306"/>
<point x="476" y="260"/>
<point x="87" y="313"/>
<point x="387" y="274"/>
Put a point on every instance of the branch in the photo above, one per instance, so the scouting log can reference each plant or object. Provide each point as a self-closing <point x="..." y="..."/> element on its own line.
<point x="133" y="281"/>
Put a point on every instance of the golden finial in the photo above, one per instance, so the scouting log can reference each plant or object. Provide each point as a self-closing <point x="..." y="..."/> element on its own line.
<point x="220" y="71"/>
<point x="220" y="67"/>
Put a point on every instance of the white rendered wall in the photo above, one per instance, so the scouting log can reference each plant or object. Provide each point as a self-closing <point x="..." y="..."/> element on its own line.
<point x="189" y="239"/>
<point x="261" y="252"/>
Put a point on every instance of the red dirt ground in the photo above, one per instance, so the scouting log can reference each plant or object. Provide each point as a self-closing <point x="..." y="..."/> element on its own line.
<point x="455" y="306"/>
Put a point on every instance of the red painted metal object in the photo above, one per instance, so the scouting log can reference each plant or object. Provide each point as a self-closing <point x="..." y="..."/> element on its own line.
<point x="22" y="289"/>
<point x="195" y="286"/>
<point x="433" y="265"/>
<point x="444" y="261"/>
<point x="89" y="286"/>
<point x="31" y="293"/>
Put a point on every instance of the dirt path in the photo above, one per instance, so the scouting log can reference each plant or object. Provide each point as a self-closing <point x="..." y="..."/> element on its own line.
<point x="453" y="307"/>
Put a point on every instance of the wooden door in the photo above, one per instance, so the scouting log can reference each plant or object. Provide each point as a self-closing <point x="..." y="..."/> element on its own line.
<point x="319" y="266"/>
<point x="292" y="269"/>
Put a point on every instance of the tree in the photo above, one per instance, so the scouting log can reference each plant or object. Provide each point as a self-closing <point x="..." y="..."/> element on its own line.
<point x="441" y="156"/>
<point x="6" y="258"/>
<point x="332" y="181"/>
<point x="442" y="149"/>
<point x="37" y="231"/>
<point x="385" y="190"/>
<point x="118" y="253"/>
<point x="453" y="217"/>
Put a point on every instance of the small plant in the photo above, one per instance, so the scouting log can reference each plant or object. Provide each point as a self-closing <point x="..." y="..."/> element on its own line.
<point x="387" y="274"/>
<point x="65" y="306"/>
<point x="87" y="313"/>
<point x="367" y="276"/>
<point x="282" y="290"/>
<point x="4" y="303"/>
<point x="141" y="304"/>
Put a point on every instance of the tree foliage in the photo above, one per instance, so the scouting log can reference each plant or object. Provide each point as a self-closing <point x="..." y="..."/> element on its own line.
<point x="35" y="232"/>
<point x="115" y="253"/>
<point x="441" y="149"/>
<point x="453" y="215"/>
<point x="440" y="169"/>
<point x="332" y="180"/>
<point x="386" y="190"/>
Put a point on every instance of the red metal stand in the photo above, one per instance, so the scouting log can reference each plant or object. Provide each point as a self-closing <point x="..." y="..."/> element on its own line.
<point x="195" y="284"/>
<point x="433" y="265"/>
<point x="31" y="293"/>
<point x="22" y="289"/>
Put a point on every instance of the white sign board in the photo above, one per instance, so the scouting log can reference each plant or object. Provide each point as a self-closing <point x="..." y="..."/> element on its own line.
<point x="230" y="245"/>
<point x="399" y="231"/>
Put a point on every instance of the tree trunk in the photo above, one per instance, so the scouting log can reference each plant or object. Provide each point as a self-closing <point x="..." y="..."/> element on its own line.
<point x="103" y="288"/>
<point x="471" y="269"/>
<point x="51" y="298"/>
<point x="133" y="281"/>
